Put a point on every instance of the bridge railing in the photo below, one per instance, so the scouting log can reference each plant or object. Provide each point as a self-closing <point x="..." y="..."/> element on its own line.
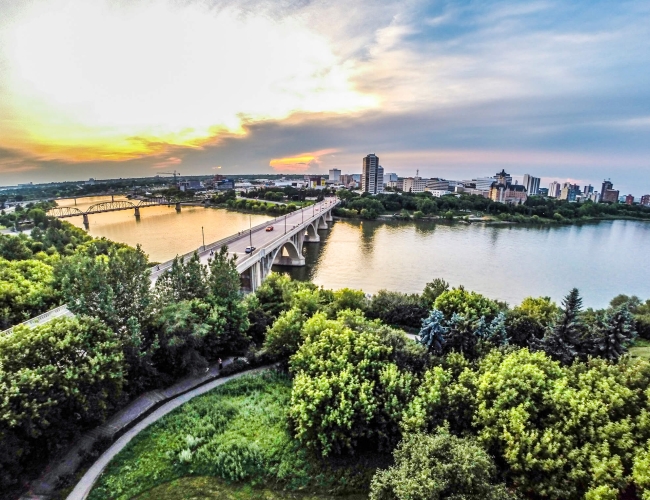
<point x="58" y="311"/>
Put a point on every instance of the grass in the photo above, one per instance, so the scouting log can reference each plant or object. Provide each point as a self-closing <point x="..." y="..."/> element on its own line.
<point x="640" y="349"/>
<point x="197" y="488"/>
<point x="233" y="440"/>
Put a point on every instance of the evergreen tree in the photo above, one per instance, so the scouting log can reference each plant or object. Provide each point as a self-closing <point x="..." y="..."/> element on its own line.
<point x="610" y="342"/>
<point x="565" y="342"/>
<point x="432" y="334"/>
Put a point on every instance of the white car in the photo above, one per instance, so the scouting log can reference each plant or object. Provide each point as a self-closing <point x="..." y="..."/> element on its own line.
<point x="249" y="249"/>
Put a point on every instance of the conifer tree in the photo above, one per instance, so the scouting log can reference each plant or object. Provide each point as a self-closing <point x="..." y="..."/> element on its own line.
<point x="565" y="342"/>
<point x="610" y="342"/>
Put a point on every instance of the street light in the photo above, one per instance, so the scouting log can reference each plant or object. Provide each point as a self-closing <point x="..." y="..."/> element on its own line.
<point x="250" y="229"/>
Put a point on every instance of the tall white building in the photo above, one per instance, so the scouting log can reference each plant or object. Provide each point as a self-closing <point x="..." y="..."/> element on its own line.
<point x="335" y="175"/>
<point x="372" y="175"/>
<point x="554" y="189"/>
<point x="532" y="184"/>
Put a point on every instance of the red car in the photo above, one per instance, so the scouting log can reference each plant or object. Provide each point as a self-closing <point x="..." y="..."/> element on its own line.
<point x="269" y="228"/>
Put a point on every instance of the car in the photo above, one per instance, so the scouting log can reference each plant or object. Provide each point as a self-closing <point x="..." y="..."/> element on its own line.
<point x="249" y="249"/>
<point x="269" y="228"/>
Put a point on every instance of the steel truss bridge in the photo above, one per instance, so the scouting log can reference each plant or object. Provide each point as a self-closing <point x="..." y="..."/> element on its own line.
<point x="108" y="206"/>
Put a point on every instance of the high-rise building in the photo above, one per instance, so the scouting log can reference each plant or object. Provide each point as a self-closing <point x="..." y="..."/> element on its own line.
<point x="532" y="184"/>
<point x="569" y="192"/>
<point x="335" y="175"/>
<point x="629" y="199"/>
<point x="372" y="175"/>
<point x="554" y="189"/>
<point x="607" y="185"/>
<point x="645" y="200"/>
<point x="588" y="190"/>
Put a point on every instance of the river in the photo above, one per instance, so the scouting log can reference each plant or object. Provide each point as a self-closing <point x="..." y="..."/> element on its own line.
<point x="503" y="262"/>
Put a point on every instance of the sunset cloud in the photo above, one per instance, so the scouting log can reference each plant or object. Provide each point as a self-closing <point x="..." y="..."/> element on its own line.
<point x="301" y="162"/>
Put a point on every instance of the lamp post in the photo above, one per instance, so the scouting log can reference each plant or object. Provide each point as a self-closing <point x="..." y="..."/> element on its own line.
<point x="250" y="229"/>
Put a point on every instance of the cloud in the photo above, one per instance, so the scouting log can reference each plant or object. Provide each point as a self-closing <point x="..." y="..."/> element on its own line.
<point x="301" y="162"/>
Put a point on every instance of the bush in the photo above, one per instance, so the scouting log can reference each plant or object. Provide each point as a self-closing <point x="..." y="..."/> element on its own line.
<point x="395" y="308"/>
<point x="438" y="467"/>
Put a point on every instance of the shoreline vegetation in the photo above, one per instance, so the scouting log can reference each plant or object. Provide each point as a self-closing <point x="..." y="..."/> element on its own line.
<point x="534" y="400"/>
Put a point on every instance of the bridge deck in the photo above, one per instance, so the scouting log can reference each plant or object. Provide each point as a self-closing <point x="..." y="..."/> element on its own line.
<point x="261" y="238"/>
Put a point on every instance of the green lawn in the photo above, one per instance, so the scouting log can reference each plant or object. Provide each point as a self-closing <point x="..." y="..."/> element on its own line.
<point x="239" y="434"/>
<point x="640" y="349"/>
<point x="198" y="488"/>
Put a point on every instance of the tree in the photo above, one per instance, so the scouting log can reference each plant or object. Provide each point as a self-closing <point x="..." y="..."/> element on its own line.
<point x="56" y="379"/>
<point x="26" y="290"/>
<point x="348" y="393"/>
<point x="611" y="339"/>
<point x="433" y="290"/>
<point x="438" y="467"/>
<point x="395" y="308"/>
<point x="183" y="281"/>
<point x="432" y="334"/>
<point x="565" y="342"/>
<point x="285" y="336"/>
<point x="14" y="248"/>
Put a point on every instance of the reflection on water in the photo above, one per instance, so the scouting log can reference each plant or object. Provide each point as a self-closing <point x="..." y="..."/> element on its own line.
<point x="162" y="232"/>
<point x="503" y="262"/>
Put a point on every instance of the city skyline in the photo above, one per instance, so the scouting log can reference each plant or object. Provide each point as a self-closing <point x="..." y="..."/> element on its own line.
<point x="240" y="87"/>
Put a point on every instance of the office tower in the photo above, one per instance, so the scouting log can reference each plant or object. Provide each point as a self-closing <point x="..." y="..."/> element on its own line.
<point x="335" y="175"/>
<point x="607" y="185"/>
<point x="372" y="175"/>
<point x="532" y="184"/>
<point x="554" y="189"/>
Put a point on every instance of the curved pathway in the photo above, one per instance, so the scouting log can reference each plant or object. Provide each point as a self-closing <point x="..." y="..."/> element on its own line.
<point x="86" y="483"/>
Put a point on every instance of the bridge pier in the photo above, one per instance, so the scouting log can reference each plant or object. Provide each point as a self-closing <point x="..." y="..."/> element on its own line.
<point x="137" y="212"/>
<point x="178" y="206"/>
<point x="86" y="221"/>
<point x="322" y="224"/>
<point x="311" y="235"/>
<point x="328" y="217"/>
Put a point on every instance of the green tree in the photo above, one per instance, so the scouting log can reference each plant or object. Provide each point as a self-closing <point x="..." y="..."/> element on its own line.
<point x="610" y="341"/>
<point x="565" y="343"/>
<point x="348" y="391"/>
<point x="438" y="467"/>
<point x="470" y="305"/>
<point x="14" y="248"/>
<point x="55" y="380"/>
<point x="395" y="308"/>
<point x="433" y="290"/>
<point x="183" y="281"/>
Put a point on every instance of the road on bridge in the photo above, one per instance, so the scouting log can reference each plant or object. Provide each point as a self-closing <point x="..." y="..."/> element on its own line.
<point x="260" y="237"/>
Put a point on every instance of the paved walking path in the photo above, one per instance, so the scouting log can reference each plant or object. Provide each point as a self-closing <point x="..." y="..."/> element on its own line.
<point x="86" y="483"/>
<point x="181" y="391"/>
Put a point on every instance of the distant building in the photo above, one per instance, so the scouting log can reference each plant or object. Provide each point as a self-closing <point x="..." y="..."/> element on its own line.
<point x="609" y="195"/>
<point x="190" y="185"/>
<point x="315" y="181"/>
<point x="391" y="177"/>
<point x="503" y="191"/>
<point x="554" y="189"/>
<point x="90" y="182"/>
<point x="587" y="190"/>
<point x="607" y="186"/>
<point x="645" y="200"/>
<point x="542" y="191"/>
<point x="569" y="192"/>
<point x="335" y="175"/>
<point x="531" y="184"/>
<point x="372" y="175"/>
<point x="629" y="199"/>
<point x="414" y="185"/>
<point x="224" y="184"/>
<point x="438" y="192"/>
<point x="437" y="184"/>
<point x="397" y="185"/>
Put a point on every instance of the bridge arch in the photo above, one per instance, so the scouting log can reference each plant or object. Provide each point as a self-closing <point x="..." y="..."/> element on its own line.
<point x="311" y="233"/>
<point x="293" y="255"/>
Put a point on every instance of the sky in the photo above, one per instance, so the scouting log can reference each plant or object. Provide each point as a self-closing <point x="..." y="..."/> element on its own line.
<point x="454" y="89"/>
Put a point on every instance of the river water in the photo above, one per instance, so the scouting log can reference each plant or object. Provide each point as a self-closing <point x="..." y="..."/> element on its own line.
<point x="503" y="262"/>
